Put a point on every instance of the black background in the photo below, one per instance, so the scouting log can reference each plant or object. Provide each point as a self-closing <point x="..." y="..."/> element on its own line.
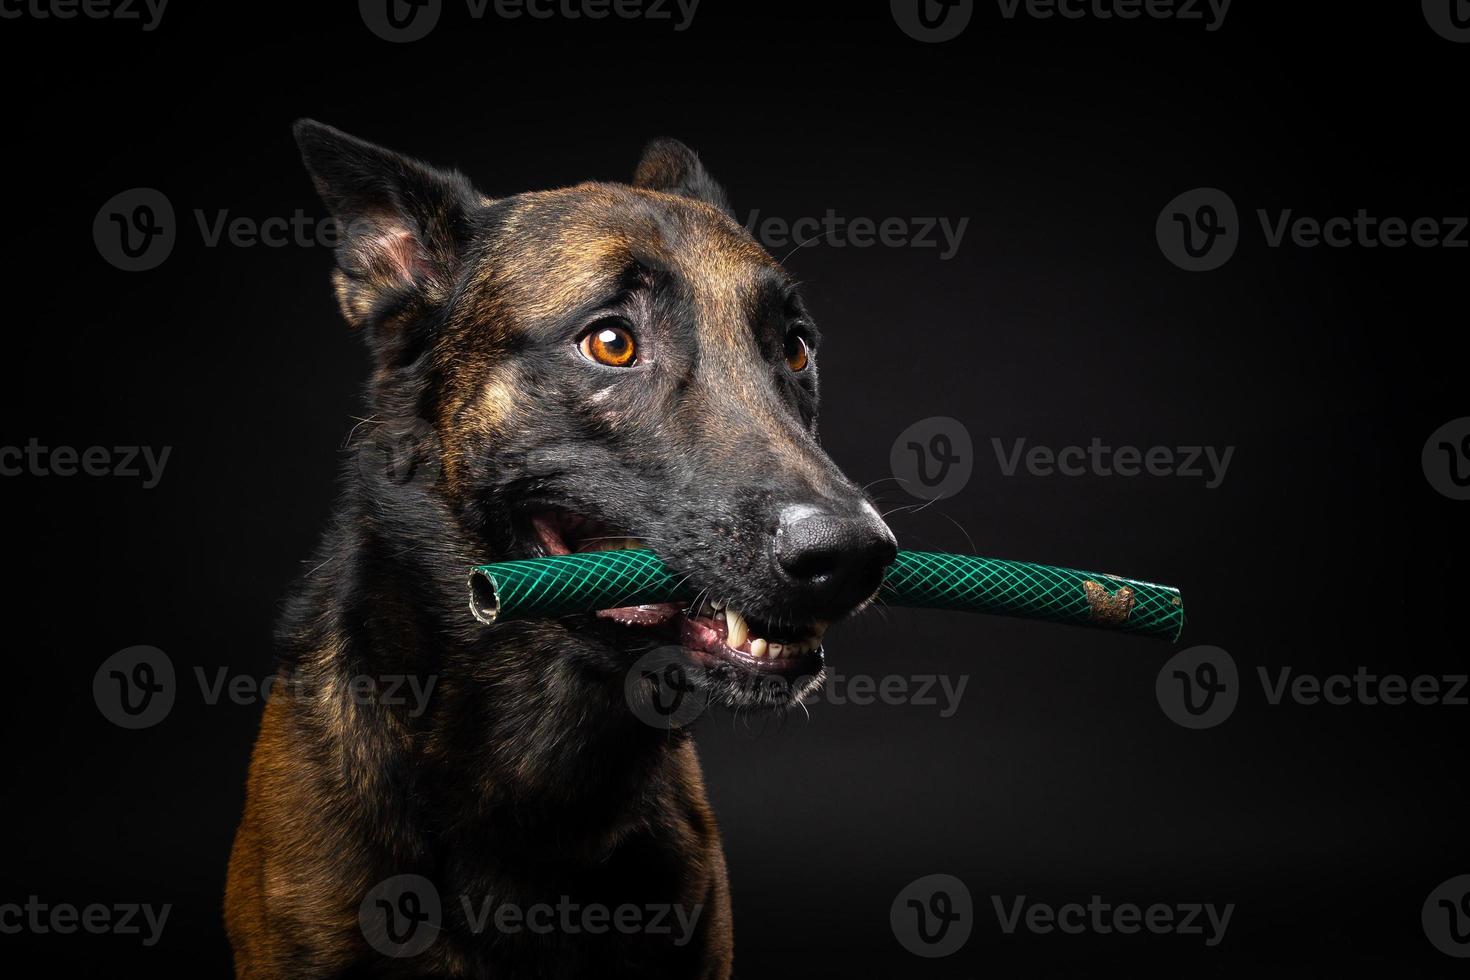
<point x="1059" y="320"/>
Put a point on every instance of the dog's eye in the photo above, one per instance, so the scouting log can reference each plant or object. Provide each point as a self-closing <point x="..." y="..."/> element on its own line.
<point x="797" y="354"/>
<point x="610" y="343"/>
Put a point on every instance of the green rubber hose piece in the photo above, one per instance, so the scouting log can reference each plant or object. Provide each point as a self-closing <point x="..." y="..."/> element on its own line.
<point x="547" y="587"/>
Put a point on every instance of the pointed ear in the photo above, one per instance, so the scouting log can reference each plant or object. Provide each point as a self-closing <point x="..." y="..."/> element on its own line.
<point x="402" y="226"/>
<point x="672" y="167"/>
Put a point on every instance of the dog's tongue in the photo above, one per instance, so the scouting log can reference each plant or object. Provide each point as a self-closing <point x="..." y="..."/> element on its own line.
<point x="652" y="615"/>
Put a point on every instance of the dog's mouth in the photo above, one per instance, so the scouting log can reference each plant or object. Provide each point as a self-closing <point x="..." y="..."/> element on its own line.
<point x="713" y="632"/>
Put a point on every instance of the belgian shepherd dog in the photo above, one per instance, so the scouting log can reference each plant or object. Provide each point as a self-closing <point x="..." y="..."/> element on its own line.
<point x="601" y="366"/>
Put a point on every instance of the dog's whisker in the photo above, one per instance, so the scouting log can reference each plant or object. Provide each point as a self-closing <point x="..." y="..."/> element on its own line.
<point x="810" y="241"/>
<point x="371" y="420"/>
<point x="881" y="479"/>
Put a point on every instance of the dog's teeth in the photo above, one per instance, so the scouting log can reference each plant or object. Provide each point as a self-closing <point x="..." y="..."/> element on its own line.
<point x="618" y="544"/>
<point x="758" y="648"/>
<point x="778" y="649"/>
<point x="736" y="629"/>
<point x="717" y="604"/>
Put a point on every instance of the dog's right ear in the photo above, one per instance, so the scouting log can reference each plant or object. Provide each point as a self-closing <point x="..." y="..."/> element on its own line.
<point x="672" y="167"/>
<point x="402" y="226"/>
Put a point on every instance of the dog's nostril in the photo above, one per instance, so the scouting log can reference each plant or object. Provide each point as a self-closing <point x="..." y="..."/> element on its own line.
<point x="833" y="554"/>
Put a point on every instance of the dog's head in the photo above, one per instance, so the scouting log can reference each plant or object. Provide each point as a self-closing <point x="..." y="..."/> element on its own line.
<point x="610" y="366"/>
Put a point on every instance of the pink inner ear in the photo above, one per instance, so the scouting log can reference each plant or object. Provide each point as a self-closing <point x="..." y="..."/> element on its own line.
<point x="392" y="254"/>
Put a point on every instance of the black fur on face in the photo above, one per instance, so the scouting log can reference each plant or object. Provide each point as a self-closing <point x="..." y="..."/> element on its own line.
<point x="482" y="316"/>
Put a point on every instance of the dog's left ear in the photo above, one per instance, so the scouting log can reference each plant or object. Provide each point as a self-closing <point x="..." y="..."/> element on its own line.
<point x="402" y="226"/>
<point x="672" y="167"/>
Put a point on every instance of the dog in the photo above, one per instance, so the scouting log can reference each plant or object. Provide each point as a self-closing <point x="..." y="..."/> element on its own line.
<point x="600" y="366"/>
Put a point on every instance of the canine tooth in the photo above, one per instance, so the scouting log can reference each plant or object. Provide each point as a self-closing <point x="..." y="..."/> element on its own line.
<point x="758" y="648"/>
<point x="736" y="629"/>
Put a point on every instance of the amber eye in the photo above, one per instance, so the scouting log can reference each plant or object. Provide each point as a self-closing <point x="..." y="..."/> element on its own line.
<point x="610" y="343"/>
<point x="797" y="355"/>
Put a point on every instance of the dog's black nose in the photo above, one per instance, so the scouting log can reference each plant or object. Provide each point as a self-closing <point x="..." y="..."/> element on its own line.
<point x="834" y="561"/>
